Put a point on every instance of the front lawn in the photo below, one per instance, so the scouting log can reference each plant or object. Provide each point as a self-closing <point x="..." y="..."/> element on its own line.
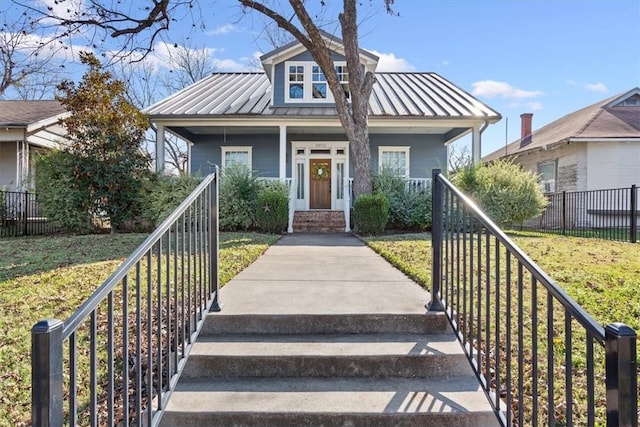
<point x="43" y="277"/>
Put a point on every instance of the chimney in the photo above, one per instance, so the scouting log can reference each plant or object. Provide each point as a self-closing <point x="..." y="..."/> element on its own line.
<point x="525" y="128"/>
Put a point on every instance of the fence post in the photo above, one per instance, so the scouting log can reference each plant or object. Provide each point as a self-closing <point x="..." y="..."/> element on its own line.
<point x="564" y="213"/>
<point x="25" y="212"/>
<point x="634" y="214"/>
<point x="437" y="208"/>
<point x="621" y="369"/>
<point x="214" y="242"/>
<point x="46" y="373"/>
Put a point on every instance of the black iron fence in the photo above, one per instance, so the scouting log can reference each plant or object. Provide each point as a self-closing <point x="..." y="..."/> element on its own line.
<point x="539" y="356"/>
<point x="20" y="215"/>
<point x="117" y="358"/>
<point x="607" y="214"/>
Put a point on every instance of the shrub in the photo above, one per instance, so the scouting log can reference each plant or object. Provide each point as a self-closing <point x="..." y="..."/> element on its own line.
<point x="61" y="197"/>
<point x="408" y="210"/>
<point x="239" y="190"/>
<point x="507" y="193"/>
<point x="371" y="212"/>
<point x="164" y="194"/>
<point x="272" y="215"/>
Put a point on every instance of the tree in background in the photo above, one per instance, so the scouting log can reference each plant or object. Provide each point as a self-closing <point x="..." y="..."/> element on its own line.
<point x="147" y="84"/>
<point x="27" y="65"/>
<point x="152" y="19"/>
<point x="105" y="133"/>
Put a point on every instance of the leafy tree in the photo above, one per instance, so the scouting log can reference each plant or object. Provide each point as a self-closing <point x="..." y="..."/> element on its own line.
<point x="506" y="192"/>
<point x="153" y="18"/>
<point x="105" y="134"/>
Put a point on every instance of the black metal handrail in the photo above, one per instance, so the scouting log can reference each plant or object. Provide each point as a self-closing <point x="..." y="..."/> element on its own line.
<point x="530" y="344"/>
<point x="128" y="342"/>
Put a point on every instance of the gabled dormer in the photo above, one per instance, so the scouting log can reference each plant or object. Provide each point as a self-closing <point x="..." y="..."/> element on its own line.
<point x="296" y="79"/>
<point x="629" y="99"/>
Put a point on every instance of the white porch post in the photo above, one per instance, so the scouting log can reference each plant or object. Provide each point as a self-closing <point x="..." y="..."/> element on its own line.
<point x="475" y="145"/>
<point x="159" y="149"/>
<point x="189" y="145"/>
<point x="283" y="152"/>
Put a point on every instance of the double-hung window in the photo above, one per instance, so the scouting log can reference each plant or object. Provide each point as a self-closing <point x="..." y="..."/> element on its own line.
<point x="305" y="82"/>
<point x="394" y="160"/>
<point x="232" y="156"/>
<point x="547" y="172"/>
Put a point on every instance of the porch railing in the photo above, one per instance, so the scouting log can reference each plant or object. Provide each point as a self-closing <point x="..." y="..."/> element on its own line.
<point x="20" y="215"/>
<point x="610" y="214"/>
<point x="539" y="356"/>
<point x="116" y="360"/>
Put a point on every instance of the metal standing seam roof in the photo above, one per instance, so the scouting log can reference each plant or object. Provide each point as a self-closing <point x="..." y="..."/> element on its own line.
<point x="408" y="94"/>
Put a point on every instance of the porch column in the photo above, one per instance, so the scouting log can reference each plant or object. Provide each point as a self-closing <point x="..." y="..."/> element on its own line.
<point x="189" y="145"/>
<point x="159" y="148"/>
<point x="475" y="145"/>
<point x="283" y="152"/>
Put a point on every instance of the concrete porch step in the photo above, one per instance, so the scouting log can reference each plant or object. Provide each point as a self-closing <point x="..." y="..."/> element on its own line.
<point x="363" y="355"/>
<point x="361" y="402"/>
<point x="300" y="324"/>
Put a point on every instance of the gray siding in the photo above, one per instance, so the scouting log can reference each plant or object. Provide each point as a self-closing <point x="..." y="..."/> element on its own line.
<point x="207" y="152"/>
<point x="427" y="151"/>
<point x="279" y="75"/>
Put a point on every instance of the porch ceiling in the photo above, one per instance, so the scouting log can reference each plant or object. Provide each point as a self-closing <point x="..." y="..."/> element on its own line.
<point x="252" y="130"/>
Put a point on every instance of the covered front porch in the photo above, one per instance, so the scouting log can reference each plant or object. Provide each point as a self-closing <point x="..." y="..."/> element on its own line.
<point x="313" y="155"/>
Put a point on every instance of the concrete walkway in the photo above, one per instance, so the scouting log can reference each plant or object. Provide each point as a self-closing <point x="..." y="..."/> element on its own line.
<point x="322" y="274"/>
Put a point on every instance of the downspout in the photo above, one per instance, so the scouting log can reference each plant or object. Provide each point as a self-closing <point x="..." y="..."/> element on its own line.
<point x="482" y="129"/>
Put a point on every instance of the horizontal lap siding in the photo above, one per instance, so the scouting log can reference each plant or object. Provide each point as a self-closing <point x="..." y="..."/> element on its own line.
<point x="207" y="152"/>
<point x="427" y="152"/>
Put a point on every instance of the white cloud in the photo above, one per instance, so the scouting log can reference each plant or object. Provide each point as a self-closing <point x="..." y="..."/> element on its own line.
<point x="445" y="62"/>
<point x="494" y="89"/>
<point x="535" y="106"/>
<point x="229" y="65"/>
<point x="596" y="87"/>
<point x="223" y="29"/>
<point x="389" y="62"/>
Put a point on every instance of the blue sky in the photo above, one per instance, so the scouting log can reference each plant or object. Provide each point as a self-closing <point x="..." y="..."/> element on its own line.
<point x="547" y="57"/>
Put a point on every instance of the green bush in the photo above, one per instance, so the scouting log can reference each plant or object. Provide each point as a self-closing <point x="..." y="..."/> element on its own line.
<point x="371" y="212"/>
<point x="164" y="194"/>
<point x="239" y="190"/>
<point x="507" y="193"/>
<point x="61" y="197"/>
<point x="408" y="210"/>
<point x="272" y="215"/>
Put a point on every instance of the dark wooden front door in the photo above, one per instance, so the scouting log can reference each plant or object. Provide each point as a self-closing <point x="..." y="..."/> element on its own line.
<point x="320" y="183"/>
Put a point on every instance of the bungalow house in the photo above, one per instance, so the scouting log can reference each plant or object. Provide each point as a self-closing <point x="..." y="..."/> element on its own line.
<point x="283" y="124"/>
<point x="594" y="148"/>
<point x="26" y="128"/>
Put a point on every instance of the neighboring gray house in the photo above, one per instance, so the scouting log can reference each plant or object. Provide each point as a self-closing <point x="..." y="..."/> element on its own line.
<point x="283" y="124"/>
<point x="26" y="128"/>
<point x="594" y="148"/>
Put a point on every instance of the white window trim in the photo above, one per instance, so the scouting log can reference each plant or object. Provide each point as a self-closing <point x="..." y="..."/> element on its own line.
<point x="551" y="182"/>
<point x="307" y="83"/>
<point x="395" y="149"/>
<point x="232" y="148"/>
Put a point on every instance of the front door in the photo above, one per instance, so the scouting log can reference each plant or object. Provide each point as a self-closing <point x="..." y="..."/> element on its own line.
<point x="320" y="184"/>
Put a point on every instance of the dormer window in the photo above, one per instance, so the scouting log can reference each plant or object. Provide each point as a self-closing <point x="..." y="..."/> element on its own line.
<point x="305" y="82"/>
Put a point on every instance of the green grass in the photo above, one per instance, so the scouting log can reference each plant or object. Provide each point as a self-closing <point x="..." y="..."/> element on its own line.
<point x="49" y="277"/>
<point x="602" y="276"/>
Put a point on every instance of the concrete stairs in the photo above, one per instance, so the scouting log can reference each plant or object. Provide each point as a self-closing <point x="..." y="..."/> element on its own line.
<point x="318" y="222"/>
<point x="340" y="369"/>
